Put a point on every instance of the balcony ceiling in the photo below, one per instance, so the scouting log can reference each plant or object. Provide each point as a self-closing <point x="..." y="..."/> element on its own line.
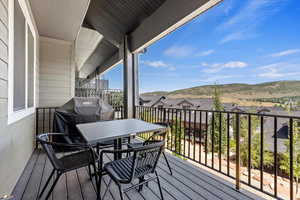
<point x="59" y="19"/>
<point x="114" y="19"/>
<point x="144" y="21"/>
<point x="103" y="51"/>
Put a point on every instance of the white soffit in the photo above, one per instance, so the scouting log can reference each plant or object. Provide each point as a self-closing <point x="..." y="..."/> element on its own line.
<point x="86" y="43"/>
<point x="59" y="19"/>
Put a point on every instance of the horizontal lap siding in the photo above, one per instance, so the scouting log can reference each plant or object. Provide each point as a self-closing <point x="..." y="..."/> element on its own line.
<point x="56" y="68"/>
<point x="3" y="57"/>
<point x="3" y="12"/>
<point x="17" y="139"/>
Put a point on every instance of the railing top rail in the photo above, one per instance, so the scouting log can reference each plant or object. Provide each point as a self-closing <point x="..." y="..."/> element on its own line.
<point x="232" y="112"/>
<point x="47" y="107"/>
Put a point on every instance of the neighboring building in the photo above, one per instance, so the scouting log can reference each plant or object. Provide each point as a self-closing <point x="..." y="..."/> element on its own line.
<point x="191" y="119"/>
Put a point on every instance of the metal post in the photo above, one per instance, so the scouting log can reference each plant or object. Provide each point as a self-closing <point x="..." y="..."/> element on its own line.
<point x="135" y="88"/>
<point x="130" y="85"/>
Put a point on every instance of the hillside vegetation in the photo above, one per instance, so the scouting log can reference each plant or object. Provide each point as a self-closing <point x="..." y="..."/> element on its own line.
<point x="238" y="92"/>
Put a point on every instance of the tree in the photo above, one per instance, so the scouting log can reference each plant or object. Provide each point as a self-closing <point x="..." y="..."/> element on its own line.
<point x="255" y="141"/>
<point x="177" y="137"/>
<point x="285" y="161"/>
<point x="218" y="130"/>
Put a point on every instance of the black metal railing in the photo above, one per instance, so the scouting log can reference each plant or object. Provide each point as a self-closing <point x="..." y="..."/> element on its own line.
<point x="242" y="146"/>
<point x="113" y="97"/>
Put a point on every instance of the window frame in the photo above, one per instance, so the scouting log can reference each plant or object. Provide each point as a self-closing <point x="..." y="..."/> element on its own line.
<point x="14" y="116"/>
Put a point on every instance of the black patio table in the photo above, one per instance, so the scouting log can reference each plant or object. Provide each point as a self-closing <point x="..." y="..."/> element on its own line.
<point x="115" y="130"/>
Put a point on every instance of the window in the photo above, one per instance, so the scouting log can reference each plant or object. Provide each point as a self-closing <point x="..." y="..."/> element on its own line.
<point x="30" y="69"/>
<point x="19" y="59"/>
<point x="186" y="107"/>
<point x="21" y="81"/>
<point x="160" y="107"/>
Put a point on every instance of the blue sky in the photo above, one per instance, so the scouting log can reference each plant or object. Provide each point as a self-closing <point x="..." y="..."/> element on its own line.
<point x="249" y="41"/>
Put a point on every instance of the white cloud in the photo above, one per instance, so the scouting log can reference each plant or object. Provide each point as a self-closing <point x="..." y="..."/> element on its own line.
<point x="179" y="51"/>
<point x="244" y="23"/>
<point x="213" y="79"/>
<point x="206" y="53"/>
<point x="155" y="64"/>
<point x="254" y="12"/>
<point x="216" y="67"/>
<point x="158" y="64"/>
<point x="273" y="71"/>
<point x="285" y="53"/>
<point x="239" y="35"/>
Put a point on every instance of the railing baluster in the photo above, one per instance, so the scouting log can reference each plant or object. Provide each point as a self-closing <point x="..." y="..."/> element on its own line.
<point x="249" y="149"/>
<point x="212" y="139"/>
<point x="228" y="145"/>
<point x="168" y="123"/>
<point x="184" y="129"/>
<point x="237" y="170"/>
<point x="291" y="159"/>
<point x="36" y="125"/>
<point x="206" y="136"/>
<point x="200" y="137"/>
<point x="275" y="156"/>
<point x="189" y="144"/>
<point x="220" y="141"/>
<point x="49" y="110"/>
<point x="172" y="128"/>
<point x="261" y="152"/>
<point x="176" y="133"/>
<point x="43" y="120"/>
<point x="156" y="114"/>
<point x="180" y="136"/>
<point x="194" y="134"/>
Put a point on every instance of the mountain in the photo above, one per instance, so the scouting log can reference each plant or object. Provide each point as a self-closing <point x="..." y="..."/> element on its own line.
<point x="238" y="91"/>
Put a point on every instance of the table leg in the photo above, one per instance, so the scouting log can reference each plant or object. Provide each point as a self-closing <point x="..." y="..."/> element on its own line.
<point x="118" y="146"/>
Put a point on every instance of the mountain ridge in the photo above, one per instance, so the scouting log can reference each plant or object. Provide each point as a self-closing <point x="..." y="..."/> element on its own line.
<point x="274" y="89"/>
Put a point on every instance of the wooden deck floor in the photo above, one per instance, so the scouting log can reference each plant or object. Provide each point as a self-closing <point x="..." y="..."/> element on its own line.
<point x="187" y="182"/>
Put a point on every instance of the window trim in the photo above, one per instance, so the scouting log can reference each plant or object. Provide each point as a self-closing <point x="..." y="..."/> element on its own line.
<point x="14" y="116"/>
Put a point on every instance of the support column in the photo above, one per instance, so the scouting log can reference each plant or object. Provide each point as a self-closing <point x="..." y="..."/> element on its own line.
<point x="130" y="76"/>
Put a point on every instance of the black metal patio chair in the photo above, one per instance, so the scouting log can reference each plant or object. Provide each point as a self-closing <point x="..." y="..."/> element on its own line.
<point x="143" y="162"/>
<point x="158" y="135"/>
<point x="65" y="157"/>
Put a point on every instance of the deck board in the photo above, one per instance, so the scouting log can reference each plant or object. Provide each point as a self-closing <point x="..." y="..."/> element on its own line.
<point x="187" y="183"/>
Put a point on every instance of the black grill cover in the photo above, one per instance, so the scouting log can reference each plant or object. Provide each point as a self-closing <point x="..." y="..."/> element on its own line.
<point x="80" y="110"/>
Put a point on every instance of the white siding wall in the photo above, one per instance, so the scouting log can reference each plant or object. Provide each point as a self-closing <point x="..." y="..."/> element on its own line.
<point x="57" y="72"/>
<point x="17" y="139"/>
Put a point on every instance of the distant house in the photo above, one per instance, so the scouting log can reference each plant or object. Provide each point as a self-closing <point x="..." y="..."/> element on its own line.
<point x="185" y="104"/>
<point x="194" y="121"/>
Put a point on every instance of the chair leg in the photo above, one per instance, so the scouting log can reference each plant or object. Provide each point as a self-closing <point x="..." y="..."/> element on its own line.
<point x="90" y="172"/>
<point x="96" y="177"/>
<point x="107" y="188"/>
<point x="141" y="179"/>
<point x="53" y="185"/>
<point x="99" y="185"/>
<point x="121" y="191"/>
<point x="46" y="184"/>
<point x="159" y="186"/>
<point x="167" y="163"/>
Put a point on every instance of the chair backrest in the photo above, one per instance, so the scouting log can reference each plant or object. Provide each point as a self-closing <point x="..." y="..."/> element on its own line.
<point x="53" y="149"/>
<point x="158" y="135"/>
<point x="145" y="159"/>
